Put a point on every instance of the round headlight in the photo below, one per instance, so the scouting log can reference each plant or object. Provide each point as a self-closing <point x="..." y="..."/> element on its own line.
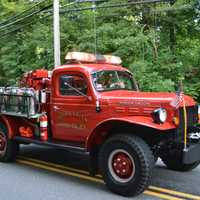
<point x="160" y="115"/>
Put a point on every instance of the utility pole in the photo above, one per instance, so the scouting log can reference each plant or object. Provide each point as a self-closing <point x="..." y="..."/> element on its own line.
<point x="56" y="27"/>
<point x="172" y="31"/>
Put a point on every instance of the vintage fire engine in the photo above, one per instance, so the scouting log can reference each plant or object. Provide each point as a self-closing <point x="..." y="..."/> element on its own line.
<point x="93" y="105"/>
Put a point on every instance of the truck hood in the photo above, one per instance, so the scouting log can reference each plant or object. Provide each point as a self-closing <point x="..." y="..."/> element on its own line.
<point x="143" y="99"/>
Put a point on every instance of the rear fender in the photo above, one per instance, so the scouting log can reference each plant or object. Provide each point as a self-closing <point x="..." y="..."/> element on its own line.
<point x="10" y="125"/>
<point x="104" y="128"/>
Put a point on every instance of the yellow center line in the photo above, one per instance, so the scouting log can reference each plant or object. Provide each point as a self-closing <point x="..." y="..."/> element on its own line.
<point x="55" y="165"/>
<point x="58" y="166"/>
<point x="99" y="177"/>
<point x="59" y="171"/>
<point x="163" y="196"/>
<point x="86" y="177"/>
<point x="172" y="192"/>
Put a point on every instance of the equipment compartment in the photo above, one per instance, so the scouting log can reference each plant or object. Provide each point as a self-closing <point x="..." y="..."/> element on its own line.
<point x="19" y="102"/>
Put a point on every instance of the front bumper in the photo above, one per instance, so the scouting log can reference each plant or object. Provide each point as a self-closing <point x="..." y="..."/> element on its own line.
<point x="191" y="154"/>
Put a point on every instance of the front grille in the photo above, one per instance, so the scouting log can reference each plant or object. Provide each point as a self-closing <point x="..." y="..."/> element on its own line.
<point x="192" y="119"/>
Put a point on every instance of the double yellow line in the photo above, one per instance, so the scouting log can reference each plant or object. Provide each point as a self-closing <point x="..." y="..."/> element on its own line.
<point x="159" y="192"/>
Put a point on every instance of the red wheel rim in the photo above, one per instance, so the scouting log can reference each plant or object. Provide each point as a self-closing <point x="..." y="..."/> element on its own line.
<point x="121" y="165"/>
<point x="2" y="142"/>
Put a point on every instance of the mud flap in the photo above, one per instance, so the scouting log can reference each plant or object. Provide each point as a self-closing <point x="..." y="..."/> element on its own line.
<point x="192" y="154"/>
<point x="93" y="161"/>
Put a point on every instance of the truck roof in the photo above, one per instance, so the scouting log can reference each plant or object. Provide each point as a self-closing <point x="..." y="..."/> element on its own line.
<point x="88" y="67"/>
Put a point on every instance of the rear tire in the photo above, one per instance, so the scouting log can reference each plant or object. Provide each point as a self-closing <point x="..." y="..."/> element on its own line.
<point x="126" y="163"/>
<point x="177" y="165"/>
<point x="8" y="147"/>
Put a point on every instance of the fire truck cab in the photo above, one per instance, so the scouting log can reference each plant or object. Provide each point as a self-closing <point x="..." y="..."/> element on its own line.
<point x="93" y="105"/>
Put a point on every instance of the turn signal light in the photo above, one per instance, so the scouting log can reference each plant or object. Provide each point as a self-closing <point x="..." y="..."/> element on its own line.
<point x="176" y="121"/>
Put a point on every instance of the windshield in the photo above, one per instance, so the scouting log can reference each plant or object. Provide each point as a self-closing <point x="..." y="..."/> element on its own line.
<point x="113" y="80"/>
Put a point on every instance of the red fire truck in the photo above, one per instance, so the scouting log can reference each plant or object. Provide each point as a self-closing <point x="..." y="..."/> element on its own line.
<point x="93" y="105"/>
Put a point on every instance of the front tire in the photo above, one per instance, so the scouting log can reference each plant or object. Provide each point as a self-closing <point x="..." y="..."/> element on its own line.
<point x="126" y="163"/>
<point x="8" y="147"/>
<point x="176" y="164"/>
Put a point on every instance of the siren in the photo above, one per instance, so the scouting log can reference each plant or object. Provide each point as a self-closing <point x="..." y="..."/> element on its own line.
<point x="92" y="58"/>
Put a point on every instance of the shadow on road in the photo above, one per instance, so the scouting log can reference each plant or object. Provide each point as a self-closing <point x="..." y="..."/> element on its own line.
<point x="188" y="182"/>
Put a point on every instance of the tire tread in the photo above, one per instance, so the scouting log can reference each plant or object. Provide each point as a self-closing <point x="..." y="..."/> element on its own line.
<point x="145" y="155"/>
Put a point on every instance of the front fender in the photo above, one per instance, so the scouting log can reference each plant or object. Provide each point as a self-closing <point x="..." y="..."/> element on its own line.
<point x="104" y="126"/>
<point x="148" y="122"/>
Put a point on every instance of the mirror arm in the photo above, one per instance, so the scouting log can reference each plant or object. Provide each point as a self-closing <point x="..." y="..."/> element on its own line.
<point x="79" y="92"/>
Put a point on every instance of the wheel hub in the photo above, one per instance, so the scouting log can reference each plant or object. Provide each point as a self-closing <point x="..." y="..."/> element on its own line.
<point x="121" y="165"/>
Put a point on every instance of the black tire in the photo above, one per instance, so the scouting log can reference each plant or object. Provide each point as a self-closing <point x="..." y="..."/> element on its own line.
<point x="9" y="152"/>
<point x="142" y="158"/>
<point x="176" y="164"/>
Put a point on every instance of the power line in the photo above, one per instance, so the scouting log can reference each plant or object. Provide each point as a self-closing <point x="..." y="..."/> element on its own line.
<point x="17" y="20"/>
<point x="125" y="17"/>
<point x="86" y="1"/>
<point x="122" y="4"/>
<point x="114" y="5"/>
<point x="184" y="7"/>
<point x="22" y="13"/>
<point x="24" y="18"/>
<point x="107" y="16"/>
<point x="21" y="27"/>
<point x="28" y="16"/>
<point x="80" y="9"/>
<point x="6" y="22"/>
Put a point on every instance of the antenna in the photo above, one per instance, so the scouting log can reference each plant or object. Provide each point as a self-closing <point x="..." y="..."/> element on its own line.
<point x="95" y="27"/>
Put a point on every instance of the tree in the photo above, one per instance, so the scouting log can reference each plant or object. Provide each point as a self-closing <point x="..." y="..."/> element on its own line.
<point x="139" y="34"/>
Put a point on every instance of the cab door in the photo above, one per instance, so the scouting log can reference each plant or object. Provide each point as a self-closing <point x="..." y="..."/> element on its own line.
<point x="72" y="107"/>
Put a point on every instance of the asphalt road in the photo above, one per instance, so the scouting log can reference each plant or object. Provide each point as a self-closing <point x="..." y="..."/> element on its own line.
<point x="49" y="174"/>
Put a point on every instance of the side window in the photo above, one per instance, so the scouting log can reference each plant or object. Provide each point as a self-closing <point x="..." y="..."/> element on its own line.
<point x="72" y="85"/>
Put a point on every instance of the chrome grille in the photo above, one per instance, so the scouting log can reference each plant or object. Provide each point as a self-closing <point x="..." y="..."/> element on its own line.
<point x="192" y="119"/>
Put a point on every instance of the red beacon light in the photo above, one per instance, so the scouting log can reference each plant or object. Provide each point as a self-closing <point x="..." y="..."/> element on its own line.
<point x="92" y="58"/>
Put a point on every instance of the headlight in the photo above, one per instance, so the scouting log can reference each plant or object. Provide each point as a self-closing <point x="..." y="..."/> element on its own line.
<point x="160" y="115"/>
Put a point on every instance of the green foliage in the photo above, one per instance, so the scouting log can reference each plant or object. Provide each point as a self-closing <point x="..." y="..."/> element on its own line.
<point x="158" y="45"/>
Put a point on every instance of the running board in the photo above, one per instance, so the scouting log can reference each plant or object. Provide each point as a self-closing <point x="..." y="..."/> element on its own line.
<point x="55" y="144"/>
